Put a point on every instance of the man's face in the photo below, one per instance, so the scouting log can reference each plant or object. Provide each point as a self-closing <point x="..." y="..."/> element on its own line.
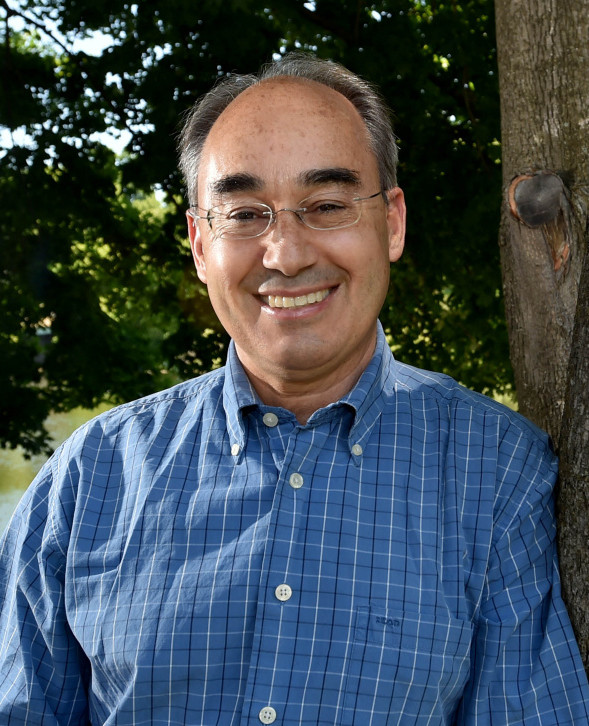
<point x="279" y="143"/>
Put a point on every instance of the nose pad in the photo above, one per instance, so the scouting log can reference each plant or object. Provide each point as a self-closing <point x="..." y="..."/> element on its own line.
<point x="296" y="213"/>
<point x="296" y="224"/>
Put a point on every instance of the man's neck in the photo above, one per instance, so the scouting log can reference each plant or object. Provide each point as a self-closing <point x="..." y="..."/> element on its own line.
<point x="303" y="395"/>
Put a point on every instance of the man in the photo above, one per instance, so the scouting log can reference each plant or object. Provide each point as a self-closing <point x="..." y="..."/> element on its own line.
<point x="315" y="533"/>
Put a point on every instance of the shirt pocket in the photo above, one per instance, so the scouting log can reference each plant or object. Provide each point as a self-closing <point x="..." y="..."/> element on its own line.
<point x="405" y="668"/>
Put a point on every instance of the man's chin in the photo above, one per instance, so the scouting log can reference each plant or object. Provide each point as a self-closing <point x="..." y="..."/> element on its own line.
<point x="297" y="357"/>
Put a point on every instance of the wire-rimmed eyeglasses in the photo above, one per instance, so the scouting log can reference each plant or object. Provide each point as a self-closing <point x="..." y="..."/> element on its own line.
<point x="253" y="219"/>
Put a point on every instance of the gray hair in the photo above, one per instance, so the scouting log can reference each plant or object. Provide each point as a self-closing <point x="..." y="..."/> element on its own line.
<point x="367" y="101"/>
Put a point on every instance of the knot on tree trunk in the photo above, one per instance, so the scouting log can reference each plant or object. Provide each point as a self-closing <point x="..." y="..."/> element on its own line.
<point x="539" y="200"/>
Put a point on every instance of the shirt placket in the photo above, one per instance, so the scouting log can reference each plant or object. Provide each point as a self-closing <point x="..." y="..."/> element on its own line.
<point x="275" y="629"/>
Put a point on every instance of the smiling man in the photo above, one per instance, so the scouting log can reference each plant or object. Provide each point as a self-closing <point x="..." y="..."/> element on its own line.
<point x="315" y="533"/>
<point x="300" y="297"/>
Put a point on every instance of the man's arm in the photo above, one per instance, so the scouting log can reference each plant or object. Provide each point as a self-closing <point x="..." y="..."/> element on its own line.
<point x="42" y="672"/>
<point x="526" y="667"/>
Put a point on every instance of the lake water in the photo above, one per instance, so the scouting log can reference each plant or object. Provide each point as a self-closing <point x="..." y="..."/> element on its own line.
<point x="16" y="472"/>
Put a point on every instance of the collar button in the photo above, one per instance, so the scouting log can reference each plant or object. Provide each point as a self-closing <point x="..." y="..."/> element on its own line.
<point x="270" y="419"/>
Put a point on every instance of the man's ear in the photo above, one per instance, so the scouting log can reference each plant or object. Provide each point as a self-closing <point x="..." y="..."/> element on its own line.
<point x="396" y="215"/>
<point x="196" y="247"/>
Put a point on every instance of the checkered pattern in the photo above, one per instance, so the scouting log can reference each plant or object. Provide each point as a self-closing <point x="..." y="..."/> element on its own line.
<point x="142" y="577"/>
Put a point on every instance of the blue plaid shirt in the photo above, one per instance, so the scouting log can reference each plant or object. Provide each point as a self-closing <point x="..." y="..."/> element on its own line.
<point x="197" y="558"/>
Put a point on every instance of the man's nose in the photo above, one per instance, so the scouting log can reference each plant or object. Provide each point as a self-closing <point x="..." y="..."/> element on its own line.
<point x="289" y="244"/>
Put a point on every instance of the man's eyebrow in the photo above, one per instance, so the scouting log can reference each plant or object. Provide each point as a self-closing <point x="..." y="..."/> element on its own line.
<point x="330" y="175"/>
<point x="239" y="182"/>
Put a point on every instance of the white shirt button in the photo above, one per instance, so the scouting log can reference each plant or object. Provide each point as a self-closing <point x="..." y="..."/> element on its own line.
<point x="357" y="450"/>
<point x="283" y="592"/>
<point x="270" y="419"/>
<point x="296" y="480"/>
<point x="235" y="449"/>
<point x="267" y="715"/>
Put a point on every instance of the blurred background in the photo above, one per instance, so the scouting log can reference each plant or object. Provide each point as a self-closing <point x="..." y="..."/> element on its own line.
<point x="99" y="302"/>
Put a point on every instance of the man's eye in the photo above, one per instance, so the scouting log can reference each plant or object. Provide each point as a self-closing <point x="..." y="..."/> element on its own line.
<point x="245" y="215"/>
<point x="327" y="206"/>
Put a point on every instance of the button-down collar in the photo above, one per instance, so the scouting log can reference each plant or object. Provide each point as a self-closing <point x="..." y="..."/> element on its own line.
<point x="366" y="399"/>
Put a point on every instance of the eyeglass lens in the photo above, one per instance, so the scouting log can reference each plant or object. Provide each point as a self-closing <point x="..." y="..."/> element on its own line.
<point x="252" y="220"/>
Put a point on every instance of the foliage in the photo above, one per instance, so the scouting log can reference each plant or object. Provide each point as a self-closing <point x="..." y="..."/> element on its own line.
<point x="88" y="253"/>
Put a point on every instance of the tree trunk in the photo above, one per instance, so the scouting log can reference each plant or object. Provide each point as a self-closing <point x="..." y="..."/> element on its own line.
<point x="573" y="510"/>
<point x="543" y="57"/>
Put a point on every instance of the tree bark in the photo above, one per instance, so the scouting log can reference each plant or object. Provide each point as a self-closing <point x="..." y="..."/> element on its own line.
<point x="573" y="500"/>
<point x="543" y="58"/>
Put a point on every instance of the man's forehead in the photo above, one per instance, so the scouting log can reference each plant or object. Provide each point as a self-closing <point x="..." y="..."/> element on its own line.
<point x="287" y="101"/>
<point x="319" y="128"/>
<point x="299" y="90"/>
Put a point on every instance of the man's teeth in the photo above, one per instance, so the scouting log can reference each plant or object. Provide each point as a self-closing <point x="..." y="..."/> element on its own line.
<point x="277" y="301"/>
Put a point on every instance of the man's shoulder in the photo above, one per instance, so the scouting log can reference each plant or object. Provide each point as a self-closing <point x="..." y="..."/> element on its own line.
<point x="418" y="381"/>
<point x="162" y="409"/>
<point x="202" y="387"/>
<point x="459" y="400"/>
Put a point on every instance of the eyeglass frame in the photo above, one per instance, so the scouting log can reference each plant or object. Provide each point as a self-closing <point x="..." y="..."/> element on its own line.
<point x="298" y="212"/>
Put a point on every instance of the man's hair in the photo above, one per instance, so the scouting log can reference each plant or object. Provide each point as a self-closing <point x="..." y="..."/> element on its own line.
<point x="367" y="101"/>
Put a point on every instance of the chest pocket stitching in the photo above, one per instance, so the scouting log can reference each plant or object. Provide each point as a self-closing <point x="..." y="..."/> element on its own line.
<point x="398" y="660"/>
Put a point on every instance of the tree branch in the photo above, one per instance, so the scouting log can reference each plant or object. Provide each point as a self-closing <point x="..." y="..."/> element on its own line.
<point x="37" y="23"/>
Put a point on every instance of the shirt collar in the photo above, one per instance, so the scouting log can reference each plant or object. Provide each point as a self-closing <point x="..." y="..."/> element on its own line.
<point x="372" y="391"/>
<point x="238" y="394"/>
<point x="366" y="399"/>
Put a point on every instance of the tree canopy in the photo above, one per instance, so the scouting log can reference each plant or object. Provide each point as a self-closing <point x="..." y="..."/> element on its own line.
<point x="98" y="298"/>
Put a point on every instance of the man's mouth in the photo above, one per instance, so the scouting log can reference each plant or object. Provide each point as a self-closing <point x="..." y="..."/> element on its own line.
<point x="279" y="301"/>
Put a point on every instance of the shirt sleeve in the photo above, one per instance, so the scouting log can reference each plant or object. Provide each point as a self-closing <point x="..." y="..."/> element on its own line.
<point x="525" y="664"/>
<point x="43" y="673"/>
